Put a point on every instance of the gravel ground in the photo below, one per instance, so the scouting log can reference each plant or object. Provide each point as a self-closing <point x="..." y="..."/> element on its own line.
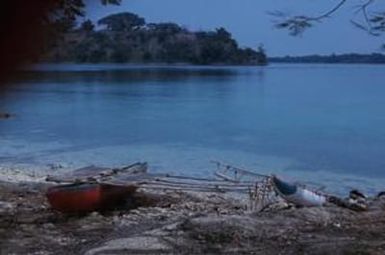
<point x="184" y="223"/>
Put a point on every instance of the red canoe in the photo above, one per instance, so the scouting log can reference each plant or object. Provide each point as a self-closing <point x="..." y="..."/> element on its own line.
<point x="87" y="197"/>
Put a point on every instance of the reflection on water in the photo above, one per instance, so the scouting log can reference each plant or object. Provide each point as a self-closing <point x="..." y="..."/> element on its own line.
<point x="312" y="117"/>
<point x="95" y="74"/>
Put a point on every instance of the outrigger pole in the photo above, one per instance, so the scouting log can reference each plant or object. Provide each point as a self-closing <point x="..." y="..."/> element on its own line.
<point x="223" y="171"/>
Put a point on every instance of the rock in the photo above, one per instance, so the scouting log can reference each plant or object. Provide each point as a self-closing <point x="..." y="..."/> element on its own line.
<point x="355" y="194"/>
<point x="4" y="115"/>
<point x="377" y="203"/>
<point x="220" y="230"/>
<point x="171" y="227"/>
<point x="381" y="194"/>
<point x="6" y="207"/>
<point x="55" y="166"/>
<point x="140" y="244"/>
<point x="315" y="215"/>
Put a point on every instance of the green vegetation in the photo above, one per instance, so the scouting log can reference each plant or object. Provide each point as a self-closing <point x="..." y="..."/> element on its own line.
<point x="127" y="38"/>
<point x="351" y="58"/>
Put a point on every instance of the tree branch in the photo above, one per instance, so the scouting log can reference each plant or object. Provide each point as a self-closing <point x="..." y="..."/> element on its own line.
<point x="369" y="22"/>
<point x="374" y="24"/>
<point x="330" y="12"/>
<point x="298" y="24"/>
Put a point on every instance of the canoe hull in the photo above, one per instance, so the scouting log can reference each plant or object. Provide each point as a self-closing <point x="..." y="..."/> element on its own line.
<point x="297" y="195"/>
<point x="307" y="198"/>
<point x="87" y="197"/>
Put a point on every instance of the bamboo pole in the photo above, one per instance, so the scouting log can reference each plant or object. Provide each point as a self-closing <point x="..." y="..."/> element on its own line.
<point x="237" y="169"/>
<point x="136" y="168"/>
<point x="167" y="187"/>
<point x="226" y="184"/>
<point x="192" y="185"/>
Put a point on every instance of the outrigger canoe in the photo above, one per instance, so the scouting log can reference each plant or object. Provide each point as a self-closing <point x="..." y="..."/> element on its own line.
<point x="88" y="197"/>
<point x="296" y="194"/>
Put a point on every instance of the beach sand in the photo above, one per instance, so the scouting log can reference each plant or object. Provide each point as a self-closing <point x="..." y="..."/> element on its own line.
<point x="170" y="222"/>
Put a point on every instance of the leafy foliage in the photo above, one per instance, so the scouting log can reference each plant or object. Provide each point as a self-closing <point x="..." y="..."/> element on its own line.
<point x="87" y="26"/>
<point x="127" y="38"/>
<point x="378" y="22"/>
<point x="122" y="22"/>
<point x="295" y="25"/>
<point x="116" y="2"/>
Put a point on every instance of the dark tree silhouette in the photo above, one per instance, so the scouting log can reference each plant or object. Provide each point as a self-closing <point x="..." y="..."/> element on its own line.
<point x="87" y="26"/>
<point x="122" y="22"/>
<point x="128" y="39"/>
<point x="28" y="27"/>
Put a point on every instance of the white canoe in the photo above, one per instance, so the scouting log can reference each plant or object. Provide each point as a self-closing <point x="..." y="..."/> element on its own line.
<point x="298" y="195"/>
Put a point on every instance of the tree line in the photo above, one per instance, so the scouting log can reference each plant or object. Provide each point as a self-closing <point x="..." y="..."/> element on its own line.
<point x="127" y="38"/>
<point x="351" y="58"/>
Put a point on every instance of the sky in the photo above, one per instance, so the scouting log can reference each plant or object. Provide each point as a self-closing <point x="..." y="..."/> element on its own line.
<point x="251" y="25"/>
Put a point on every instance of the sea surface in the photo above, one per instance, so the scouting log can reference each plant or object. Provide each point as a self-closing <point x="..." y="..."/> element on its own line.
<point x="319" y="123"/>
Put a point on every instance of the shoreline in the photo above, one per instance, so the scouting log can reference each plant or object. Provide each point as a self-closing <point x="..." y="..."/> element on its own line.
<point x="32" y="66"/>
<point x="332" y="183"/>
<point x="170" y="222"/>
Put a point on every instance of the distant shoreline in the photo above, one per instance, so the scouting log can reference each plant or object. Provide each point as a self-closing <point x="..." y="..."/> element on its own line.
<point x="146" y="64"/>
<point x="351" y="58"/>
<point x="45" y="66"/>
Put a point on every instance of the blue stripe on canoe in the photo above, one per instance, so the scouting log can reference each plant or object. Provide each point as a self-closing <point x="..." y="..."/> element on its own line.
<point x="284" y="187"/>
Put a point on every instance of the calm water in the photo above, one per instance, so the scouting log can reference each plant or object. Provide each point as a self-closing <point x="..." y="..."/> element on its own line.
<point x="313" y="122"/>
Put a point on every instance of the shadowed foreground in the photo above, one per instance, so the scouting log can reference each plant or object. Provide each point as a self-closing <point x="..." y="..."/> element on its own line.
<point x="184" y="223"/>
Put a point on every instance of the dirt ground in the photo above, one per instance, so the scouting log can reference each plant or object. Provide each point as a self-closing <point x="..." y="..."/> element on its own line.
<point x="184" y="223"/>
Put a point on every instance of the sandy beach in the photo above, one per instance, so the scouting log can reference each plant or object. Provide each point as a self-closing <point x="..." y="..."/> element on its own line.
<point x="170" y="222"/>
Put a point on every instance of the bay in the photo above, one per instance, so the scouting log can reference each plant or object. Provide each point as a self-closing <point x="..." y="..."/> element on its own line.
<point x="323" y="123"/>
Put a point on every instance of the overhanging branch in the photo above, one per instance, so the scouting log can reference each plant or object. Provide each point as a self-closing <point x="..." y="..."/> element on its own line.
<point x="296" y="25"/>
